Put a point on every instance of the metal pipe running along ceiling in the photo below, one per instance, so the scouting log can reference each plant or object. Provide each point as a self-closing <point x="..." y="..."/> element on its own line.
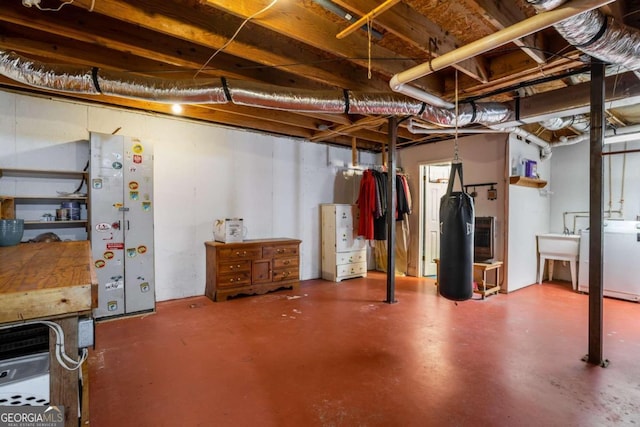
<point x="93" y="81"/>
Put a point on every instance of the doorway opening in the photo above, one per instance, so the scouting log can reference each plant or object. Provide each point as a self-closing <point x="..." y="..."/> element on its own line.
<point x="433" y="185"/>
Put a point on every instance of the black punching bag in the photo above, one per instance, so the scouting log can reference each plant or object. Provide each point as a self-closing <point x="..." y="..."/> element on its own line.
<point x="455" y="278"/>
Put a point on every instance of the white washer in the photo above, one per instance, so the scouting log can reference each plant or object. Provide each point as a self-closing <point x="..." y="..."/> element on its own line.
<point x="621" y="252"/>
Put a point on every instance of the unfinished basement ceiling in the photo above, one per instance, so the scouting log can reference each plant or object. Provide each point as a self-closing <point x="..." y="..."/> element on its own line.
<point x="292" y="47"/>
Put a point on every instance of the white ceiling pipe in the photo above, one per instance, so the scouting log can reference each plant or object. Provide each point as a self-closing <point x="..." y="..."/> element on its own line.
<point x="421" y="95"/>
<point x="563" y="140"/>
<point x="623" y="131"/>
<point x="523" y="28"/>
<point x="629" y="130"/>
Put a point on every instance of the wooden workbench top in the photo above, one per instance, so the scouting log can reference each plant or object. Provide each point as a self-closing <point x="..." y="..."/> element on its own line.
<point x="46" y="279"/>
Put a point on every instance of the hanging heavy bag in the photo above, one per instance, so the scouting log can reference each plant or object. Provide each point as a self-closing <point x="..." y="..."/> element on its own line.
<point x="455" y="278"/>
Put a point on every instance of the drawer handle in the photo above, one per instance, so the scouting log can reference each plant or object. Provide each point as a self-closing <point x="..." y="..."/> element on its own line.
<point x="231" y="280"/>
<point x="234" y="266"/>
<point x="243" y="253"/>
<point x="287" y="262"/>
<point x="279" y="251"/>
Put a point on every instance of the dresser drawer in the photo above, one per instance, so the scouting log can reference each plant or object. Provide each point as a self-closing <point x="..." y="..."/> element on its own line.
<point x="351" y="257"/>
<point x="234" y="266"/>
<point x="348" y="269"/>
<point x="346" y="216"/>
<point x="234" y="279"/>
<point x="285" y="262"/>
<point x="280" y="251"/>
<point x="285" y="274"/>
<point x="240" y="253"/>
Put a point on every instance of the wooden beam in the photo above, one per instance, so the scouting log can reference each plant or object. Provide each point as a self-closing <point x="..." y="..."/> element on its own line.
<point x="502" y="14"/>
<point x="297" y="22"/>
<point x="368" y="17"/>
<point x="204" y="27"/>
<point x="517" y="67"/>
<point x="623" y="89"/>
<point x="354" y="151"/>
<point x="416" y="30"/>
<point x="384" y="154"/>
<point x="345" y="129"/>
<point x="103" y="32"/>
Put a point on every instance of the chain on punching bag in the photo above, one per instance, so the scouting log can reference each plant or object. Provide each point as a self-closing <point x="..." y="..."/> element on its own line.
<point x="455" y="279"/>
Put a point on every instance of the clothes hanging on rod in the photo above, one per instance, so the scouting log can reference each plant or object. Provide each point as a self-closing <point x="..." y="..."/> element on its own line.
<point x="367" y="204"/>
<point x="372" y="202"/>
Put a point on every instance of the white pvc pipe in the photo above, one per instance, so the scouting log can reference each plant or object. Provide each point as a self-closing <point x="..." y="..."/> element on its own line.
<point x="521" y="29"/>
<point x="422" y="95"/>
<point x="545" y="151"/>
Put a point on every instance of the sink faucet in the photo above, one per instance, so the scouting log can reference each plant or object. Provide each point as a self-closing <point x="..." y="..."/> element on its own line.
<point x="566" y="231"/>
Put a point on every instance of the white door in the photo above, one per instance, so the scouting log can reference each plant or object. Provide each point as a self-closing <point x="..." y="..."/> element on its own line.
<point x="435" y="187"/>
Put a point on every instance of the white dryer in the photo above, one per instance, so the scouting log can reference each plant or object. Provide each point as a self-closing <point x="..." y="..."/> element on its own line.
<point x="621" y="252"/>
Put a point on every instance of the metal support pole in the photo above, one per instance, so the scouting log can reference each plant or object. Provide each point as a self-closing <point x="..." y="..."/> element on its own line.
<point x="391" y="211"/>
<point x="596" y="206"/>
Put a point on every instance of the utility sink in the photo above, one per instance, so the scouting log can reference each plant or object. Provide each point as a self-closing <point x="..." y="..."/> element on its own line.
<point x="559" y="244"/>
<point x="562" y="247"/>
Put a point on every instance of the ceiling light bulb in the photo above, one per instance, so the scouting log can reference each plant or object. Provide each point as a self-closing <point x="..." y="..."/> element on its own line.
<point x="176" y="108"/>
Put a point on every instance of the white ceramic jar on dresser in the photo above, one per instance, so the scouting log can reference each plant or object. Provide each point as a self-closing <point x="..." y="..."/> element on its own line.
<point x="344" y="254"/>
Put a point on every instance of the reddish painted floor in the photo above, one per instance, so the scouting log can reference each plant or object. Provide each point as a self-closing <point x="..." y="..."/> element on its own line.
<point x="335" y="355"/>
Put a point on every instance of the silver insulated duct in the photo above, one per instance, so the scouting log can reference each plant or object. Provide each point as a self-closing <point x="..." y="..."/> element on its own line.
<point x="598" y="35"/>
<point x="578" y="122"/>
<point x="93" y="81"/>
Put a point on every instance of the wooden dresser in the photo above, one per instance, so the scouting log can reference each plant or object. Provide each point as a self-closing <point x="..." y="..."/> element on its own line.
<point x="251" y="267"/>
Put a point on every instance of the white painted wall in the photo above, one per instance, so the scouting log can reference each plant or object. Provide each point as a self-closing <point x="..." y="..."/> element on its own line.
<point x="201" y="172"/>
<point x="483" y="158"/>
<point x="204" y="172"/>
<point x="570" y="172"/>
<point x="528" y="216"/>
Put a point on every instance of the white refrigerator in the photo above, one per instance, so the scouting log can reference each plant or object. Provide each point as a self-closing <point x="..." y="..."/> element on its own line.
<point x="121" y="212"/>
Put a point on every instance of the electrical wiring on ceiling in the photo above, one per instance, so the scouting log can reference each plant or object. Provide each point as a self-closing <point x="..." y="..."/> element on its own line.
<point x="224" y="46"/>
<point x="36" y="3"/>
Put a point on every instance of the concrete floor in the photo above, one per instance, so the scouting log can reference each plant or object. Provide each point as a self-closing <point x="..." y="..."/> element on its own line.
<point x="334" y="355"/>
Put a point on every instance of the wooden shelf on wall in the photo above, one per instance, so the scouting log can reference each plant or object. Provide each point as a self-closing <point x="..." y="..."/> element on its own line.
<point x="527" y="182"/>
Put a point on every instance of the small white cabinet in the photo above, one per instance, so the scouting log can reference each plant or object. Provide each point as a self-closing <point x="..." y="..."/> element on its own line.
<point x="344" y="254"/>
